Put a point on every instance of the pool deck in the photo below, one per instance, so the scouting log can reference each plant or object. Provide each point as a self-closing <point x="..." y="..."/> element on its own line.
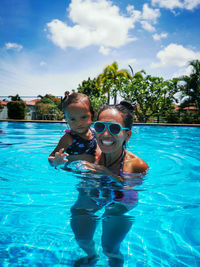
<point x="135" y="124"/>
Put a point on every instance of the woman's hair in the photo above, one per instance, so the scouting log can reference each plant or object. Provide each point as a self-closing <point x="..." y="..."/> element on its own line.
<point x="125" y="108"/>
<point x="77" y="98"/>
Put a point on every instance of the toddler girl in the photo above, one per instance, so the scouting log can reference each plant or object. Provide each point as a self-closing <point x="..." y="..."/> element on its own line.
<point x="79" y="143"/>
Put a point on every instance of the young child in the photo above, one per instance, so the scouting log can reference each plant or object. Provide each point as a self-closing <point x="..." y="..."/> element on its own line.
<point x="79" y="143"/>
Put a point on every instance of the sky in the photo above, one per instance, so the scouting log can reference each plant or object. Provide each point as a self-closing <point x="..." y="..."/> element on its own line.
<point x="49" y="46"/>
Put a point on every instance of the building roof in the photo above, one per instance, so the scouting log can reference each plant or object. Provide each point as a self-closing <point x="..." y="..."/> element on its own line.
<point x="31" y="102"/>
<point x="4" y="103"/>
<point x="177" y="107"/>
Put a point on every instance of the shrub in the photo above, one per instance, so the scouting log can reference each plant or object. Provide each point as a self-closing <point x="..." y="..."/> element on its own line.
<point x="172" y="116"/>
<point x="16" y="109"/>
<point x="188" y="117"/>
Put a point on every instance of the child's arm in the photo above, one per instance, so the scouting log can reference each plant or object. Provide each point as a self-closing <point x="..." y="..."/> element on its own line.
<point x="57" y="157"/>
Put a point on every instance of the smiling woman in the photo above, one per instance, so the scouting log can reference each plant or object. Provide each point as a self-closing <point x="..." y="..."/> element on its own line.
<point x="113" y="129"/>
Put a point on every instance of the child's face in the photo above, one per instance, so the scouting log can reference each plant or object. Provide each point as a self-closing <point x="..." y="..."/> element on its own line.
<point x="79" y="117"/>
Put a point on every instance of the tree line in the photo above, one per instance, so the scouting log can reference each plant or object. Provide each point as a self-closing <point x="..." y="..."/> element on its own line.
<point x="152" y="97"/>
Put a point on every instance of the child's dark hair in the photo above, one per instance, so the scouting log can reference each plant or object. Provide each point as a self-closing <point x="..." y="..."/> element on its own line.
<point x="125" y="108"/>
<point x="77" y="98"/>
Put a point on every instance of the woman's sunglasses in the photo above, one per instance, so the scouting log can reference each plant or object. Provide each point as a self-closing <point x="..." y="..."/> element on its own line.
<point x="113" y="127"/>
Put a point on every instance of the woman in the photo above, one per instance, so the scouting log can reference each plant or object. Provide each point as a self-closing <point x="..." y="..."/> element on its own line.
<point x="113" y="130"/>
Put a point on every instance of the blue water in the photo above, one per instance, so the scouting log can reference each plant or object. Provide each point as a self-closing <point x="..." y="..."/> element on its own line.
<point x="35" y="199"/>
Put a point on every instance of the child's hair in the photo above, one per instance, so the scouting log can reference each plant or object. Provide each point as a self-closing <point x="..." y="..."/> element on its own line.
<point x="123" y="107"/>
<point x="77" y="98"/>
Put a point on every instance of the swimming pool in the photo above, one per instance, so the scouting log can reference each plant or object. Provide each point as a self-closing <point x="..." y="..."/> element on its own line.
<point x="35" y="199"/>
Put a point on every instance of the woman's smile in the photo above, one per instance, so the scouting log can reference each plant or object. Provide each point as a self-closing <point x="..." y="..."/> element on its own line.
<point x="107" y="142"/>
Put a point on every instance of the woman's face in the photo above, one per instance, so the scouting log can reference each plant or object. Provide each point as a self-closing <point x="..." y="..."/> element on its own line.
<point x="107" y="142"/>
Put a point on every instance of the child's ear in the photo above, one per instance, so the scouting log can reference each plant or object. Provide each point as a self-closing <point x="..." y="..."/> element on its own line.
<point x="128" y="135"/>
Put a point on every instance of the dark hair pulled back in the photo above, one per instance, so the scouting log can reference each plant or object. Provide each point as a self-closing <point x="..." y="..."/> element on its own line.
<point x="123" y="107"/>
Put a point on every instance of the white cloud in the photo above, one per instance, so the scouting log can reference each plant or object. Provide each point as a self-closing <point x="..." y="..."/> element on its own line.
<point x="158" y="37"/>
<point x="171" y="4"/>
<point x="99" y="23"/>
<point x="150" y="14"/>
<point x="103" y="50"/>
<point x="95" y="23"/>
<point x="175" y="55"/>
<point x="147" y="17"/>
<point x="183" y="71"/>
<point x="147" y="26"/>
<point x="124" y="64"/>
<point x="13" y="46"/>
<point x="136" y="15"/>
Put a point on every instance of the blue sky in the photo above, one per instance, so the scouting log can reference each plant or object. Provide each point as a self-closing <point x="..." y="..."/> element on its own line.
<point x="49" y="46"/>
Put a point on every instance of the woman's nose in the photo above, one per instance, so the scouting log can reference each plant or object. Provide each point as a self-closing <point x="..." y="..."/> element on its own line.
<point x="106" y="132"/>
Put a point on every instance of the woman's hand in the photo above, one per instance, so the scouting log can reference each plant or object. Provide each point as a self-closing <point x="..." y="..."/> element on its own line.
<point x="58" y="159"/>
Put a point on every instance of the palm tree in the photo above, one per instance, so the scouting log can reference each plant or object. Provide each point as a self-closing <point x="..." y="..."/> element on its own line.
<point x="111" y="80"/>
<point x="191" y="86"/>
<point x="15" y="98"/>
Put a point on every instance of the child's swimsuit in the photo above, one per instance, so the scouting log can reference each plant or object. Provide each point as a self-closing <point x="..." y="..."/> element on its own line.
<point x="81" y="145"/>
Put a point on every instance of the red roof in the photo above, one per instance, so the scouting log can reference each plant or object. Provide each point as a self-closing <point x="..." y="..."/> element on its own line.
<point x="177" y="107"/>
<point x="32" y="102"/>
<point x="190" y="108"/>
<point x="4" y="103"/>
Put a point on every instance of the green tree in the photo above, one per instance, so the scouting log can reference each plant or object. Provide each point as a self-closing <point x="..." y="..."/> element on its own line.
<point x="151" y="96"/>
<point x="95" y="94"/>
<point x="49" y="107"/>
<point x="15" y="98"/>
<point x="111" y="80"/>
<point x="89" y="88"/>
<point x="16" y="109"/>
<point x="190" y="86"/>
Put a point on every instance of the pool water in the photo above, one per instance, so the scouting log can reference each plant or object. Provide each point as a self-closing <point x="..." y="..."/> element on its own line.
<point x="35" y="199"/>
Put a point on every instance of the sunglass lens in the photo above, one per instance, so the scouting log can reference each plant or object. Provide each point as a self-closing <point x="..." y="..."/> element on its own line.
<point x="115" y="129"/>
<point x="99" y="127"/>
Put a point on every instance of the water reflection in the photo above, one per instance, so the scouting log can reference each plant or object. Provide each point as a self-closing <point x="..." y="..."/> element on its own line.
<point x="96" y="192"/>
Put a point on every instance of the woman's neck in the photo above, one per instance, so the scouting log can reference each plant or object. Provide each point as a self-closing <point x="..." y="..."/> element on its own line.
<point x="111" y="160"/>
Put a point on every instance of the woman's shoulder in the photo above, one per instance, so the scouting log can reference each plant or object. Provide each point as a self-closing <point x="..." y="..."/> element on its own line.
<point x="134" y="164"/>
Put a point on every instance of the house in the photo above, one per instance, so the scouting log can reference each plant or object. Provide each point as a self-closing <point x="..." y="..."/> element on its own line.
<point x="4" y="111"/>
<point x="31" y="114"/>
<point x="190" y="109"/>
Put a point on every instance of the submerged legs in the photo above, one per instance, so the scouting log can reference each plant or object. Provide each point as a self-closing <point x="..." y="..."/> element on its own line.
<point x="115" y="228"/>
<point x="83" y="224"/>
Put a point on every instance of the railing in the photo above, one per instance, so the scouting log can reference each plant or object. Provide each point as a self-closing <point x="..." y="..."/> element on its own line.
<point x="26" y="97"/>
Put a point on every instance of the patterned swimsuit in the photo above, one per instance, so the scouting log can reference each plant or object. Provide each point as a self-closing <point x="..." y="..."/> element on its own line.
<point x="81" y="145"/>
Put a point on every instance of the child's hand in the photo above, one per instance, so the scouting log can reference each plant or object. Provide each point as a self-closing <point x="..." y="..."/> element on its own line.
<point x="59" y="158"/>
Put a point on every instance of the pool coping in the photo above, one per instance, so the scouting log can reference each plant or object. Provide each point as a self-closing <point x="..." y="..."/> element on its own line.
<point x="134" y="124"/>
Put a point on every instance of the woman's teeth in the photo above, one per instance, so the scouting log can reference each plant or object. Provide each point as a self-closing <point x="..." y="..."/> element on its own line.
<point x="107" y="143"/>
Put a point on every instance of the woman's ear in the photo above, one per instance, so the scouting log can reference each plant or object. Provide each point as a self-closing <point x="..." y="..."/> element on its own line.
<point x="128" y="135"/>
